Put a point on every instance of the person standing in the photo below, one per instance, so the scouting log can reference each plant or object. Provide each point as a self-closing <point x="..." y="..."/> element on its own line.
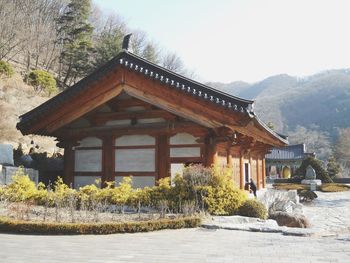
<point x="253" y="187"/>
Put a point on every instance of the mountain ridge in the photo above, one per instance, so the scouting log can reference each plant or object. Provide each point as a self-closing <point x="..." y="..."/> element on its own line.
<point x="319" y="101"/>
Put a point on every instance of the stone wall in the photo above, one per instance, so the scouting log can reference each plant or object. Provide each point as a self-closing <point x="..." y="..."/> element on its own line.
<point x="6" y="154"/>
<point x="6" y="173"/>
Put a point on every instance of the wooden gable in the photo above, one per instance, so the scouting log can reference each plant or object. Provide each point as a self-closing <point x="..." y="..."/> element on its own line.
<point x="164" y="94"/>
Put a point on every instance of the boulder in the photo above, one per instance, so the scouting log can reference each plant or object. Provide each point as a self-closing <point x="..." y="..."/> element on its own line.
<point x="290" y="220"/>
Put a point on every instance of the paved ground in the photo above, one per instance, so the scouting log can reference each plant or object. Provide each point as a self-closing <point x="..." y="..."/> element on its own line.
<point x="186" y="245"/>
<point x="330" y="213"/>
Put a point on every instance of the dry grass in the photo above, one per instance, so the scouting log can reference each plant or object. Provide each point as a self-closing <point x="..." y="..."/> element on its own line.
<point x="334" y="187"/>
<point x="330" y="187"/>
<point x="290" y="186"/>
<point x="16" y="98"/>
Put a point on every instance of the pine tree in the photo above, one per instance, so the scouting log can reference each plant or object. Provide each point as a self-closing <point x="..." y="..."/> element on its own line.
<point x="75" y="37"/>
<point x="333" y="168"/>
<point x="108" y="43"/>
<point x="342" y="147"/>
<point x="150" y="53"/>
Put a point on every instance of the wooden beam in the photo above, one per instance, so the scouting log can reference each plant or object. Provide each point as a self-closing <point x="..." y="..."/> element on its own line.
<point x="204" y="113"/>
<point x="104" y="85"/>
<point x="156" y="128"/>
<point x="120" y="105"/>
<point x="102" y="117"/>
<point x="83" y="109"/>
<point x="174" y="107"/>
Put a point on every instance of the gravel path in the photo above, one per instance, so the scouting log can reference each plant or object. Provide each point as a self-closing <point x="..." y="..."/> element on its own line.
<point x="330" y="212"/>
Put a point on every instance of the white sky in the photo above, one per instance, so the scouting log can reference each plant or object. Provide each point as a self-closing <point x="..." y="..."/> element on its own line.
<point x="229" y="40"/>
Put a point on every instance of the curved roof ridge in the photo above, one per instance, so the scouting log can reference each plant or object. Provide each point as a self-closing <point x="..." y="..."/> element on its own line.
<point x="190" y="80"/>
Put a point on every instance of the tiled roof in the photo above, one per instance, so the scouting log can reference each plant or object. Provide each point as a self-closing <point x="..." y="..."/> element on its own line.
<point x="291" y="152"/>
<point x="150" y="70"/>
<point x="132" y="62"/>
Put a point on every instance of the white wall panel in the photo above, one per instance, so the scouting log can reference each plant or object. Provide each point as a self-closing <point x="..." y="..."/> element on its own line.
<point x="183" y="138"/>
<point x="138" y="181"/>
<point x="135" y="160"/>
<point x="185" y="152"/>
<point x="88" y="161"/>
<point x="135" y="140"/>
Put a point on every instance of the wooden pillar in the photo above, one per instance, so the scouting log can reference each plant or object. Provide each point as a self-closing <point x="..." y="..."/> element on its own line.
<point x="163" y="160"/>
<point x="263" y="173"/>
<point x="211" y="152"/>
<point x="68" y="170"/>
<point x="258" y="172"/>
<point x="250" y="166"/>
<point x="108" y="159"/>
<point x="229" y="158"/>
<point x="241" y="171"/>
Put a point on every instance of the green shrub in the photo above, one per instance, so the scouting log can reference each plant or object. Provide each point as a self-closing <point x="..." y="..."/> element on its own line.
<point x="6" y="69"/>
<point x="12" y="226"/>
<point x="317" y="165"/>
<point x="42" y="81"/>
<point x="253" y="208"/>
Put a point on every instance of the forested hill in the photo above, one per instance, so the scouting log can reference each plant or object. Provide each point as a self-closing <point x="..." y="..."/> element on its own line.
<point x="320" y="101"/>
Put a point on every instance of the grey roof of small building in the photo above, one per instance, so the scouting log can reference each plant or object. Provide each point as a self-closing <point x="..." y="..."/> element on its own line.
<point x="291" y="152"/>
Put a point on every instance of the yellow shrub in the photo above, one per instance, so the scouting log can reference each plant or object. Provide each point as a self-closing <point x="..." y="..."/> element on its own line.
<point x="224" y="200"/>
<point x="223" y="197"/>
<point x="141" y="197"/>
<point x="21" y="188"/>
<point x="41" y="194"/>
<point x="122" y="193"/>
<point x="61" y="190"/>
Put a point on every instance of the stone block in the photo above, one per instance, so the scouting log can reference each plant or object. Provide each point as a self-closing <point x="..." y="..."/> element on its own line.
<point x="6" y="173"/>
<point x="6" y="154"/>
<point x="2" y="176"/>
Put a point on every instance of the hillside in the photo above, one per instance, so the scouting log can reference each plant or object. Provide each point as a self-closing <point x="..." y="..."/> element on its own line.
<point x="17" y="98"/>
<point x="321" y="100"/>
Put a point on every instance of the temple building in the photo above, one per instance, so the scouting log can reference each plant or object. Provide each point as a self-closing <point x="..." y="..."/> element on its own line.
<point x="133" y="117"/>
<point x="282" y="162"/>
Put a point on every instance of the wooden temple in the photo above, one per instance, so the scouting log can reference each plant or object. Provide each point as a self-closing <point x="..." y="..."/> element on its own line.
<point x="133" y="117"/>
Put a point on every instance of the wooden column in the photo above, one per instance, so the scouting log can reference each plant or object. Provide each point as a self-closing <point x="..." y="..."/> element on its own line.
<point x="163" y="161"/>
<point x="241" y="170"/>
<point x="68" y="176"/>
<point x="258" y="172"/>
<point x="250" y="166"/>
<point x="211" y="152"/>
<point x="108" y="159"/>
<point x="229" y="159"/>
<point x="263" y="173"/>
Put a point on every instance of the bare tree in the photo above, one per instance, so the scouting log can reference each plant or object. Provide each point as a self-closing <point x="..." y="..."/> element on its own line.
<point x="315" y="140"/>
<point x="342" y="148"/>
